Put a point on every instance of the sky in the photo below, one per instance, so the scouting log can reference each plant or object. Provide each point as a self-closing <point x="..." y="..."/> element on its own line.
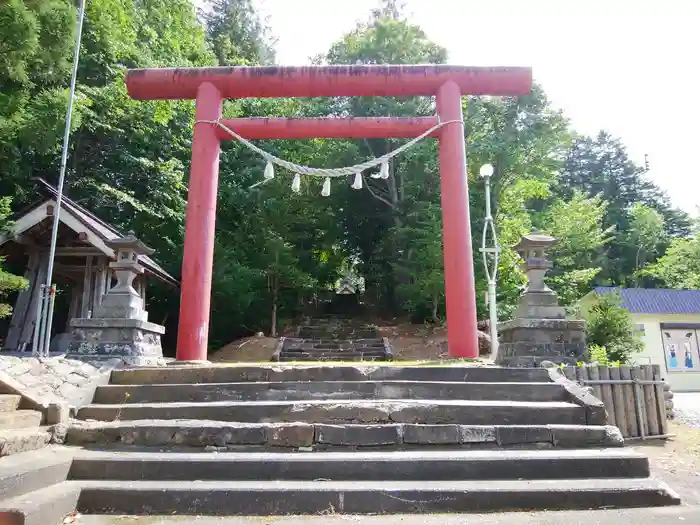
<point x="624" y="66"/>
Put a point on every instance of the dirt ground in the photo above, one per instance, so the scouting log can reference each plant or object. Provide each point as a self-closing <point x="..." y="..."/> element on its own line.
<point x="677" y="461"/>
<point x="410" y="343"/>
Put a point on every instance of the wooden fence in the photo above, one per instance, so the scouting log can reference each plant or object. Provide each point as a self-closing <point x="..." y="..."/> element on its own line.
<point x="634" y="397"/>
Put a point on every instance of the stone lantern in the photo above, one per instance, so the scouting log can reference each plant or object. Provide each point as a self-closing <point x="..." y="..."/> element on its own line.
<point x="119" y="326"/>
<point x="538" y="300"/>
<point x="539" y="330"/>
<point x="122" y="301"/>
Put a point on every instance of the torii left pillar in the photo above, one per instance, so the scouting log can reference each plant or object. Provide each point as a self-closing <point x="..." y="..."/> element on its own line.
<point x="209" y="86"/>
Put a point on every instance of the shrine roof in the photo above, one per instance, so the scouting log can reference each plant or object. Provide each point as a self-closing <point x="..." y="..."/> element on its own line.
<point x="72" y="213"/>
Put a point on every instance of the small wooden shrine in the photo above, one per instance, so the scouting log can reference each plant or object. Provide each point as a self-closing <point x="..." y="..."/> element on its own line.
<point x="81" y="270"/>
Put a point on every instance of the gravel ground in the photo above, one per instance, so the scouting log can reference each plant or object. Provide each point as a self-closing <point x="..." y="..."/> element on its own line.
<point x="687" y="408"/>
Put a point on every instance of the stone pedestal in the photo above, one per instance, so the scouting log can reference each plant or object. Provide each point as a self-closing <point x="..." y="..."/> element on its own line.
<point x="120" y="327"/>
<point x="540" y="330"/>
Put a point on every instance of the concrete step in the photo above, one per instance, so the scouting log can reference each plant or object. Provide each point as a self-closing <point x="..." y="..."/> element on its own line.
<point x="273" y="498"/>
<point x="333" y="343"/>
<point x="325" y="349"/>
<point x="278" y="373"/>
<point x="46" y="506"/>
<point x="22" y="440"/>
<point x="19" y="419"/>
<point x="31" y="471"/>
<point x="205" y="435"/>
<point x="331" y="356"/>
<point x="334" y="349"/>
<point x="359" y="466"/>
<point x="9" y="402"/>
<point x="294" y="391"/>
<point x="465" y="412"/>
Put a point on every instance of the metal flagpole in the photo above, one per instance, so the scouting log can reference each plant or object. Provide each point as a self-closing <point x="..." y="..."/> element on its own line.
<point x="486" y="172"/>
<point x="50" y="289"/>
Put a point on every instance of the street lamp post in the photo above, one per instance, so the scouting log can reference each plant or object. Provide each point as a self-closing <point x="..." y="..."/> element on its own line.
<point x="491" y="267"/>
<point x="44" y="320"/>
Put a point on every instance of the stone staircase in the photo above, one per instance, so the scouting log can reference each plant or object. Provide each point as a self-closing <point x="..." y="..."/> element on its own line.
<point x="19" y="429"/>
<point x="294" y="439"/>
<point x="334" y="339"/>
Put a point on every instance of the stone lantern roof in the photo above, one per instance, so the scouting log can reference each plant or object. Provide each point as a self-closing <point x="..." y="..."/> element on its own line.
<point x="130" y="243"/>
<point x="533" y="240"/>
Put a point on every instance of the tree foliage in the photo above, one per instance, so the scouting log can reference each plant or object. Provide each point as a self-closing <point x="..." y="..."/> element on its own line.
<point x="609" y="326"/>
<point x="8" y="282"/>
<point x="276" y="251"/>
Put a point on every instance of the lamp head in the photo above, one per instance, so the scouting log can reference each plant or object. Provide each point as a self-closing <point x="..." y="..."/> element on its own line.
<point x="486" y="170"/>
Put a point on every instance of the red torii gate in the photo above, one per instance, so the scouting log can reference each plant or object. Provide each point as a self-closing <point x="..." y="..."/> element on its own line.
<point x="210" y="86"/>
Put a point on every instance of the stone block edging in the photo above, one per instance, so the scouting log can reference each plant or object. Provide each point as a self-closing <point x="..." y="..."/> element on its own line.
<point x="594" y="407"/>
<point x="218" y="434"/>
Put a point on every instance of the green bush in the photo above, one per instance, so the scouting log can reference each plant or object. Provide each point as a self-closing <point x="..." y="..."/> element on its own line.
<point x="598" y="354"/>
<point x="609" y="330"/>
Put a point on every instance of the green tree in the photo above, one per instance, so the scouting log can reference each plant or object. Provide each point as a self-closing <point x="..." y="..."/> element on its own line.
<point x="610" y="326"/>
<point x="680" y="265"/>
<point x="646" y="234"/>
<point x="577" y="225"/>
<point x="8" y="282"/>
<point x="236" y="34"/>
<point x="600" y="166"/>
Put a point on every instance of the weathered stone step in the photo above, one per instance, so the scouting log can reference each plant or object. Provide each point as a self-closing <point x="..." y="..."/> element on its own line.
<point x="223" y="435"/>
<point x="337" y="350"/>
<point x="331" y="356"/>
<point x="333" y="332"/>
<point x="357" y="466"/>
<point x="278" y="373"/>
<point x="271" y="498"/>
<point x="379" y="352"/>
<point x="19" y="419"/>
<point x="464" y="412"/>
<point x="22" y="440"/>
<point x="291" y="391"/>
<point x="45" y="506"/>
<point x="334" y="343"/>
<point x="34" y="470"/>
<point x="9" y="402"/>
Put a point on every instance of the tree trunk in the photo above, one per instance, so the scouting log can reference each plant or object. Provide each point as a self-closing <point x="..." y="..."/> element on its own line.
<point x="436" y="303"/>
<point x="275" y="296"/>
<point x="273" y="323"/>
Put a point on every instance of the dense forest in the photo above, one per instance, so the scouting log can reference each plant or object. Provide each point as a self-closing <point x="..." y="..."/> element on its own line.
<point x="129" y="163"/>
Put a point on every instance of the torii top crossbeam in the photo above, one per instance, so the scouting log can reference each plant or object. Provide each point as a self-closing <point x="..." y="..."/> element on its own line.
<point x="210" y="86"/>
<point x="326" y="81"/>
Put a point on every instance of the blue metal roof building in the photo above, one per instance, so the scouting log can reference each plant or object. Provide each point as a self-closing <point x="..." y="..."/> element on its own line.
<point x="656" y="300"/>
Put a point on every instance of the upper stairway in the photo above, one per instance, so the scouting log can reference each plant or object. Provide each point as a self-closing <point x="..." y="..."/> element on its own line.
<point x="334" y="339"/>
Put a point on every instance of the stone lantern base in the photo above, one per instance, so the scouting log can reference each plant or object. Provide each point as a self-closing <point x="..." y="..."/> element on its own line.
<point x="135" y="341"/>
<point x="527" y="342"/>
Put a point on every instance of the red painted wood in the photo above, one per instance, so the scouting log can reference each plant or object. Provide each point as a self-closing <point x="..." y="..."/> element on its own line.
<point x="327" y="81"/>
<point x="198" y="257"/>
<point x="306" y="128"/>
<point x="460" y="293"/>
<point x="209" y="86"/>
